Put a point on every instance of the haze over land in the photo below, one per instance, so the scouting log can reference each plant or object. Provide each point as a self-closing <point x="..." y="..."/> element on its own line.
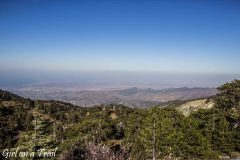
<point x="95" y="88"/>
<point x="134" y="89"/>
<point x="132" y="97"/>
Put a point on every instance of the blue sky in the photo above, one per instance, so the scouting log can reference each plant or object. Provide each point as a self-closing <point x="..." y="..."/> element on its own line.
<point x="171" y="36"/>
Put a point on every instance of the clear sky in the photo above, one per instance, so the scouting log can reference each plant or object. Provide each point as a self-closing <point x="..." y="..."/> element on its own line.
<point x="171" y="36"/>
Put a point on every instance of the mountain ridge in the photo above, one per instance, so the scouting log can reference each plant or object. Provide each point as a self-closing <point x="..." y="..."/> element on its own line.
<point x="133" y="97"/>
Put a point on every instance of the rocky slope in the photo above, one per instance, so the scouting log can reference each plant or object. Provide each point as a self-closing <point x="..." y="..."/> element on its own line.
<point x="195" y="105"/>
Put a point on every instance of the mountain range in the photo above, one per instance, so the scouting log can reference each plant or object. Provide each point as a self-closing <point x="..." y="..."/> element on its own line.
<point x="133" y="97"/>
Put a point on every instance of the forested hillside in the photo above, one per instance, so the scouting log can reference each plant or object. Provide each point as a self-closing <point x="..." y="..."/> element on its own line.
<point x="119" y="132"/>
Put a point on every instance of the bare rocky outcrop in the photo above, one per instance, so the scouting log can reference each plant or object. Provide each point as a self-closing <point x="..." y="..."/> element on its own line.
<point x="195" y="105"/>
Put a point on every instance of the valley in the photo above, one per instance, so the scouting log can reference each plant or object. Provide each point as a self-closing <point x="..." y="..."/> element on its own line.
<point x="132" y="97"/>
